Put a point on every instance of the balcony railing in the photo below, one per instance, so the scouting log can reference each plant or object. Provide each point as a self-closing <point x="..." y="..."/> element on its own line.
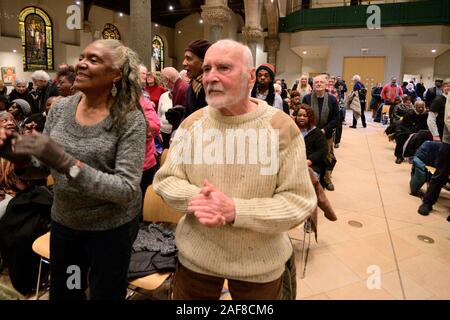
<point x="428" y="12"/>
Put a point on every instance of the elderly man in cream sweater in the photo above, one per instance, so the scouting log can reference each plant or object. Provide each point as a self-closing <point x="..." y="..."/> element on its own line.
<point x="237" y="170"/>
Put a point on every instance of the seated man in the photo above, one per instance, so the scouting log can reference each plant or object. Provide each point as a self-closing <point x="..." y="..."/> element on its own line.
<point x="426" y="155"/>
<point x="413" y="121"/>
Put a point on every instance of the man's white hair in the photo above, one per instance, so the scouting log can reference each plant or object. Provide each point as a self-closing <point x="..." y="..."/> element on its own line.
<point x="324" y="76"/>
<point x="19" y="81"/>
<point x="40" y="75"/>
<point x="142" y="66"/>
<point x="356" y="77"/>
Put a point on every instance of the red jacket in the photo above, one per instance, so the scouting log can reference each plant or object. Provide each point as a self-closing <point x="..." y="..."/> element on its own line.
<point x="155" y="92"/>
<point x="389" y="92"/>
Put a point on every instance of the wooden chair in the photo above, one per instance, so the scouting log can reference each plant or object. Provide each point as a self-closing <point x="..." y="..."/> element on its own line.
<point x="50" y="181"/>
<point x="430" y="173"/>
<point x="155" y="210"/>
<point x="385" y="108"/>
<point x="41" y="246"/>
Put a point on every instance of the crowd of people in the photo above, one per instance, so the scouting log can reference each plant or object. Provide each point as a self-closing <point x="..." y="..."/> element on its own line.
<point x="99" y="128"/>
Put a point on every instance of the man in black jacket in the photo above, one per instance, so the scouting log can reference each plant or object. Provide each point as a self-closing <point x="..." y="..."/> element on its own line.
<point x="45" y="89"/>
<point x="433" y="92"/>
<point x="326" y="110"/>
<point x="192" y="63"/>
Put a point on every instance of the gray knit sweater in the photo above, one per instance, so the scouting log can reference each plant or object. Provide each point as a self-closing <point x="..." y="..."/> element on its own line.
<point x="106" y="192"/>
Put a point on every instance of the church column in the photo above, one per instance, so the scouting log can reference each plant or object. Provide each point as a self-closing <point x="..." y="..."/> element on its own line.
<point x="252" y="32"/>
<point x="271" y="46"/>
<point x="215" y="13"/>
<point x="141" y="29"/>
<point x="252" y="36"/>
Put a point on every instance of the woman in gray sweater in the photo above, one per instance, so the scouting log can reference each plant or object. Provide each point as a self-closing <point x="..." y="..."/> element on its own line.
<point x="94" y="144"/>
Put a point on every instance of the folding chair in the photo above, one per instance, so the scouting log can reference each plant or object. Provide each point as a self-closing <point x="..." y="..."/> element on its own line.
<point x="307" y="229"/>
<point x="41" y="246"/>
<point x="155" y="210"/>
<point x="385" y="114"/>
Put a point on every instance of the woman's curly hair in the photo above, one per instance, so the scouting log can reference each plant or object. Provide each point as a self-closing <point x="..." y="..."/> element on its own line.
<point x="129" y="89"/>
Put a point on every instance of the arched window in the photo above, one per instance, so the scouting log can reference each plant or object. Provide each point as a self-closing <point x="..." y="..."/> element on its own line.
<point x="158" y="53"/>
<point x="36" y="32"/>
<point x="110" y="32"/>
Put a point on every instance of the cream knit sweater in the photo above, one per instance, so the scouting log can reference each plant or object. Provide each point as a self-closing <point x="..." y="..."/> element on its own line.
<point x="271" y="196"/>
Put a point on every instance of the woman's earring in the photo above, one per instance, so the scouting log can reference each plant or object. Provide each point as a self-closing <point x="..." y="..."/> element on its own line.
<point x="114" y="90"/>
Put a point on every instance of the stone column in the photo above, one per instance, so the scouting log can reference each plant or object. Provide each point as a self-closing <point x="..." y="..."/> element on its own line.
<point x="252" y="36"/>
<point x="215" y="17"/>
<point x="271" y="46"/>
<point x="141" y="30"/>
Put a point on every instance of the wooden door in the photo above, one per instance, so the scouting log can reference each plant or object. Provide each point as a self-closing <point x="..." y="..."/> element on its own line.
<point x="370" y="69"/>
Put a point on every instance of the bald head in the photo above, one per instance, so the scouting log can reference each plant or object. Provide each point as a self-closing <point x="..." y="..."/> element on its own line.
<point x="169" y="76"/>
<point x="228" y="44"/>
<point x="228" y="75"/>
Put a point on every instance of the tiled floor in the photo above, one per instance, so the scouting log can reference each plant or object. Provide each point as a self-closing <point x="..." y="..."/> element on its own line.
<point x="372" y="189"/>
<point x="385" y="254"/>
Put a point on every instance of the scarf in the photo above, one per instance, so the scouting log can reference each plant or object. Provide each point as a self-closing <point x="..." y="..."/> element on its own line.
<point x="306" y="131"/>
<point x="197" y="84"/>
<point x="321" y="116"/>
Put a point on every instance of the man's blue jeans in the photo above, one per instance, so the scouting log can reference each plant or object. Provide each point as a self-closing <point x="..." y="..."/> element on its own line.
<point x="418" y="175"/>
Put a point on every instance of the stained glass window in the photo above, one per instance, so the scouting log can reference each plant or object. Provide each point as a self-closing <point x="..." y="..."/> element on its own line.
<point x="158" y="53"/>
<point x="110" y="32"/>
<point x="36" y="32"/>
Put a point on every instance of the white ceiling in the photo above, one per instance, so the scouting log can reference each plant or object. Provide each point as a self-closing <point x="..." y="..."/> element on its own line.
<point x="312" y="52"/>
<point x="424" y="50"/>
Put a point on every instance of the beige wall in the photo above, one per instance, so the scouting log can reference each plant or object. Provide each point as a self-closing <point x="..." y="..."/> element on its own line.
<point x="68" y="44"/>
<point x="191" y="30"/>
<point x="387" y="42"/>
<point x="422" y="66"/>
<point x="98" y="17"/>
<point x="289" y="64"/>
<point x="314" y="66"/>
<point x="63" y="38"/>
<point x="442" y="65"/>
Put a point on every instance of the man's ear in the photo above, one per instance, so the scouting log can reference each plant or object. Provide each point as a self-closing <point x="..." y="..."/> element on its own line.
<point x="252" y="78"/>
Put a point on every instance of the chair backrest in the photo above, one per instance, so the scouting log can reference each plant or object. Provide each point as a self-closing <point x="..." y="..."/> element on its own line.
<point x="50" y="180"/>
<point x="156" y="210"/>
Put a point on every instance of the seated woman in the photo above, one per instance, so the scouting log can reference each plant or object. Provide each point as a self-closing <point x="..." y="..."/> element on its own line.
<point x="10" y="184"/>
<point x="315" y="141"/>
<point x="21" y="110"/>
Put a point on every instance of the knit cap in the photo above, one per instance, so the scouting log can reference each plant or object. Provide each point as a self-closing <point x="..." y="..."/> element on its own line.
<point x="199" y="47"/>
<point x="269" y="68"/>
<point x="24" y="105"/>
